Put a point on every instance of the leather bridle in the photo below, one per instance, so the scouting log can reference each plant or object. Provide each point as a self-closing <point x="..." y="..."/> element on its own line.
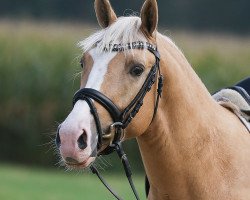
<point x="120" y="118"/>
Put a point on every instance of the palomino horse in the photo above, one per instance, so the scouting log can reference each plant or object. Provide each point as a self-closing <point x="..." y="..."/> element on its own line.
<point x="192" y="148"/>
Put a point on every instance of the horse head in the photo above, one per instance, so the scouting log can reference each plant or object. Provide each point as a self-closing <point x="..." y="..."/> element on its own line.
<point x="117" y="62"/>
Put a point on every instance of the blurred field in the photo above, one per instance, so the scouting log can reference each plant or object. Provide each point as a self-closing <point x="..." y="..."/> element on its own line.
<point x="20" y="183"/>
<point x="39" y="73"/>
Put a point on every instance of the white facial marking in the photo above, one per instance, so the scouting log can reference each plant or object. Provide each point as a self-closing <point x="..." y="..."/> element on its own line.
<point x="100" y="67"/>
<point x="80" y="117"/>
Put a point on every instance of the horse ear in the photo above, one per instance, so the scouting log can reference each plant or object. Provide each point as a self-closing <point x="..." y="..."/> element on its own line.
<point x="149" y="17"/>
<point x="104" y="13"/>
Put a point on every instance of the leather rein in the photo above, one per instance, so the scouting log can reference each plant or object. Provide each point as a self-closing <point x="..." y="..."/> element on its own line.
<point x="120" y="118"/>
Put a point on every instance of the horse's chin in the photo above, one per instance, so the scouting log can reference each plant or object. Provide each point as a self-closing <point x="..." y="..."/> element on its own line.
<point x="81" y="165"/>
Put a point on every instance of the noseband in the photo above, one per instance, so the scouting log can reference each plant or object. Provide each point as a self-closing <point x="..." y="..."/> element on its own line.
<point x="120" y="118"/>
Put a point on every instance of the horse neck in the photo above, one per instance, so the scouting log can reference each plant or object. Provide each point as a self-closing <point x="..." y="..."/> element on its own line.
<point x="180" y="120"/>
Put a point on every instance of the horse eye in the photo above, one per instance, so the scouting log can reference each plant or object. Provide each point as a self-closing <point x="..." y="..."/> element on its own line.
<point x="137" y="70"/>
<point x="81" y="63"/>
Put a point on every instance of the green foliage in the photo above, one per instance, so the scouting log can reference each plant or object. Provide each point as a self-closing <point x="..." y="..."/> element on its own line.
<point x="36" y="84"/>
<point x="219" y="60"/>
<point x="19" y="183"/>
<point x="38" y="63"/>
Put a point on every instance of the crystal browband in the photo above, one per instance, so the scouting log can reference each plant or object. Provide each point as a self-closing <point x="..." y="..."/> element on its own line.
<point x="129" y="46"/>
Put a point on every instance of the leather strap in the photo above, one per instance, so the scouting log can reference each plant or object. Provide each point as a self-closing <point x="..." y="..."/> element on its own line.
<point x="113" y="110"/>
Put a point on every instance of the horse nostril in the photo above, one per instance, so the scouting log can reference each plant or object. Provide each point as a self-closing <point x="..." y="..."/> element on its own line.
<point x="82" y="141"/>
<point x="58" y="140"/>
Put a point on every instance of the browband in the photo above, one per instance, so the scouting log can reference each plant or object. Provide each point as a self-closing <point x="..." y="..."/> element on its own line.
<point x="129" y="46"/>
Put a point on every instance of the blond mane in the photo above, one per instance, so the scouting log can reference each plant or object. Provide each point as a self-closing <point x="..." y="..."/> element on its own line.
<point x="124" y="31"/>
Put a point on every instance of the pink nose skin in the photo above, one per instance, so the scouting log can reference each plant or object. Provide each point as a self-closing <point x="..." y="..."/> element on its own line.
<point x="74" y="135"/>
<point x="73" y="145"/>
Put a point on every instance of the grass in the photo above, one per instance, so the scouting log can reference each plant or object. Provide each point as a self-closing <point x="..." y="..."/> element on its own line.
<point x="22" y="183"/>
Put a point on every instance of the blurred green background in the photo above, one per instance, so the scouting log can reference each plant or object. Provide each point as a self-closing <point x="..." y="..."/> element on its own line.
<point x="39" y="73"/>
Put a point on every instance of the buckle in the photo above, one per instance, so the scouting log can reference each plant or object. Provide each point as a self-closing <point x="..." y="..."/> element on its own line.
<point x="118" y="130"/>
<point x="112" y="126"/>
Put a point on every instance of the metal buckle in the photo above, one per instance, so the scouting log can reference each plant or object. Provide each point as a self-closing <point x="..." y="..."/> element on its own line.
<point x="116" y="124"/>
<point x="112" y="129"/>
<point x="113" y="126"/>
